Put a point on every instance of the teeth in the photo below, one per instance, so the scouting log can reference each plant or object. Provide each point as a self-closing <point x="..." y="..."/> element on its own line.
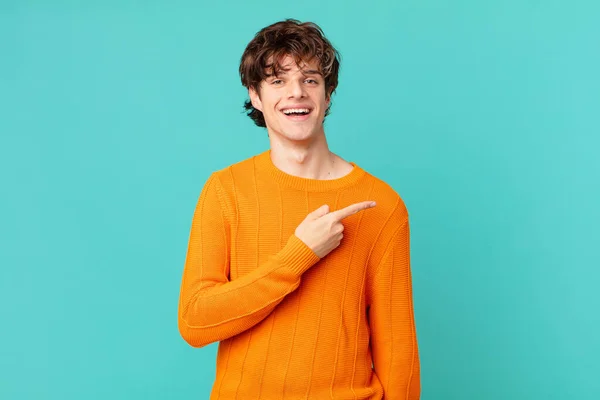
<point x="296" y="110"/>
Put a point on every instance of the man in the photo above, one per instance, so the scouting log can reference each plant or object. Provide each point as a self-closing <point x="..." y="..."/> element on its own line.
<point x="305" y="282"/>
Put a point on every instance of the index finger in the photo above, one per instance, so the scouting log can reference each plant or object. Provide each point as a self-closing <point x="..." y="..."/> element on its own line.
<point x="351" y="209"/>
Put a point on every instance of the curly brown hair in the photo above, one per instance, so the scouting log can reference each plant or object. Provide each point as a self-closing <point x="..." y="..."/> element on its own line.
<point x="304" y="41"/>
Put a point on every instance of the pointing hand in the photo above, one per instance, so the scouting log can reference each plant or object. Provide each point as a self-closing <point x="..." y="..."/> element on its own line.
<point x="322" y="230"/>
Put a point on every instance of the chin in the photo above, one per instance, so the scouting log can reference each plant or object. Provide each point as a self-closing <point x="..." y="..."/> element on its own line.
<point x="300" y="135"/>
<point x="294" y="134"/>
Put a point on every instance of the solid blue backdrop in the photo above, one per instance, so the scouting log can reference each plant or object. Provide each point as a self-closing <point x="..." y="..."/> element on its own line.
<point x="482" y="115"/>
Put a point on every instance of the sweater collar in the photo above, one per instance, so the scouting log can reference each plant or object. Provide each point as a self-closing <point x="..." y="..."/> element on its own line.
<point x="264" y="163"/>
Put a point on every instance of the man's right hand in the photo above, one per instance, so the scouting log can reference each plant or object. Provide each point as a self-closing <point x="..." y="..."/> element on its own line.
<point x="322" y="230"/>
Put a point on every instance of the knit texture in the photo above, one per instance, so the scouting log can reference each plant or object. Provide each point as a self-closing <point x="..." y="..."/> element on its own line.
<point x="292" y="325"/>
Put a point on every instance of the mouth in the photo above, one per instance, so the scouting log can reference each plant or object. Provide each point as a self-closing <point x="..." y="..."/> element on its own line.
<point x="296" y="114"/>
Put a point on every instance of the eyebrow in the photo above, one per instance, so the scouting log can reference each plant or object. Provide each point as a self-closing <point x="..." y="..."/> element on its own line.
<point x="311" y="72"/>
<point x="304" y="72"/>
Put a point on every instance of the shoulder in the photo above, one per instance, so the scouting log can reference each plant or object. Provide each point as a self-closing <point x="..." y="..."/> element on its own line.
<point x="239" y="171"/>
<point x="391" y="208"/>
<point x="229" y="180"/>
<point x="389" y="216"/>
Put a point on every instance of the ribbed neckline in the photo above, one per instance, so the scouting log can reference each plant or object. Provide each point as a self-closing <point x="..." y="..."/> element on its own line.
<point x="263" y="162"/>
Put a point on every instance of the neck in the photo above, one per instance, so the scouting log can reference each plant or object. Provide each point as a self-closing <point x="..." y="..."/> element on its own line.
<point x="311" y="160"/>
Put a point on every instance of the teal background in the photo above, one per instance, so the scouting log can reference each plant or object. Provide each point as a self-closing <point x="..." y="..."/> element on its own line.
<point x="483" y="115"/>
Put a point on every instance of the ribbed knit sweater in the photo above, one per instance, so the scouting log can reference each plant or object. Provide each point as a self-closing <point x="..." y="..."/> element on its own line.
<point x="292" y="325"/>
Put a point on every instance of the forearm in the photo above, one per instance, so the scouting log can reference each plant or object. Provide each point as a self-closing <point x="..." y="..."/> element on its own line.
<point x="212" y="309"/>
<point x="401" y="377"/>
<point x="394" y="337"/>
<point x="396" y="363"/>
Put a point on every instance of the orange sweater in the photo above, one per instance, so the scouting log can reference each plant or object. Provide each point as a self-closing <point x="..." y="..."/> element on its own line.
<point x="292" y="325"/>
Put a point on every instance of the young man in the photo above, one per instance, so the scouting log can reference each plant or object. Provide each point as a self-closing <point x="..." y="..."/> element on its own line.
<point x="303" y="280"/>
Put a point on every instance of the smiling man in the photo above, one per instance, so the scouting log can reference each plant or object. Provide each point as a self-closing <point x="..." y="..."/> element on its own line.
<point x="298" y="261"/>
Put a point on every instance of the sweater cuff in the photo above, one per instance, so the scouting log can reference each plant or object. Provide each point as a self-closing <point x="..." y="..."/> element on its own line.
<point x="297" y="256"/>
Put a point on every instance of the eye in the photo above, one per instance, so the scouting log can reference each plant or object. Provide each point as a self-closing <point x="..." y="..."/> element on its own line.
<point x="276" y="81"/>
<point x="311" y="81"/>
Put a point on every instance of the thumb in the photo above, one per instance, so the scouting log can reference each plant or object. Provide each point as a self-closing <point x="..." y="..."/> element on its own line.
<point x="319" y="212"/>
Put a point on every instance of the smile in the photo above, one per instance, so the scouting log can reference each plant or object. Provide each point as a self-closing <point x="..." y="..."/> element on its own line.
<point x="296" y="111"/>
<point x="297" y="114"/>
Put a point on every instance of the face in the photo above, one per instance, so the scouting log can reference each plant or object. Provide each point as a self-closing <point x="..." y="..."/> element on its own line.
<point x="293" y="102"/>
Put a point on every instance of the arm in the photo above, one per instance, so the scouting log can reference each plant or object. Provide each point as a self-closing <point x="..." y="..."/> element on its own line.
<point x="393" y="332"/>
<point x="212" y="308"/>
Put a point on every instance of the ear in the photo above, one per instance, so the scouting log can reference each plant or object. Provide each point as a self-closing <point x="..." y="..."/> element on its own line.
<point x="255" y="99"/>
<point x="328" y="96"/>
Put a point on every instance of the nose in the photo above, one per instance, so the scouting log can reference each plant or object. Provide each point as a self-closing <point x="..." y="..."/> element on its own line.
<point x="296" y="89"/>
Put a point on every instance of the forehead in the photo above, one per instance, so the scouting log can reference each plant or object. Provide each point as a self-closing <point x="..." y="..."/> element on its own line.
<point x="288" y="65"/>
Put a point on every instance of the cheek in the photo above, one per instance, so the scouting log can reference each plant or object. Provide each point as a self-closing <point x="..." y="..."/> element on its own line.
<point x="323" y="97"/>
<point x="270" y="104"/>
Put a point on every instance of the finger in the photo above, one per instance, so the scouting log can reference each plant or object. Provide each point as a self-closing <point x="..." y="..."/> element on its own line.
<point x="319" y="212"/>
<point x="351" y="209"/>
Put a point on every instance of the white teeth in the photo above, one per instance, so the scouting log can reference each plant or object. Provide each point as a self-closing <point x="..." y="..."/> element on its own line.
<point x="296" y="110"/>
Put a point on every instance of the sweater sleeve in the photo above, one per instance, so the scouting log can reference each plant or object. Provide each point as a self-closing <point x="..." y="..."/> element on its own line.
<point x="391" y="317"/>
<point x="211" y="307"/>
